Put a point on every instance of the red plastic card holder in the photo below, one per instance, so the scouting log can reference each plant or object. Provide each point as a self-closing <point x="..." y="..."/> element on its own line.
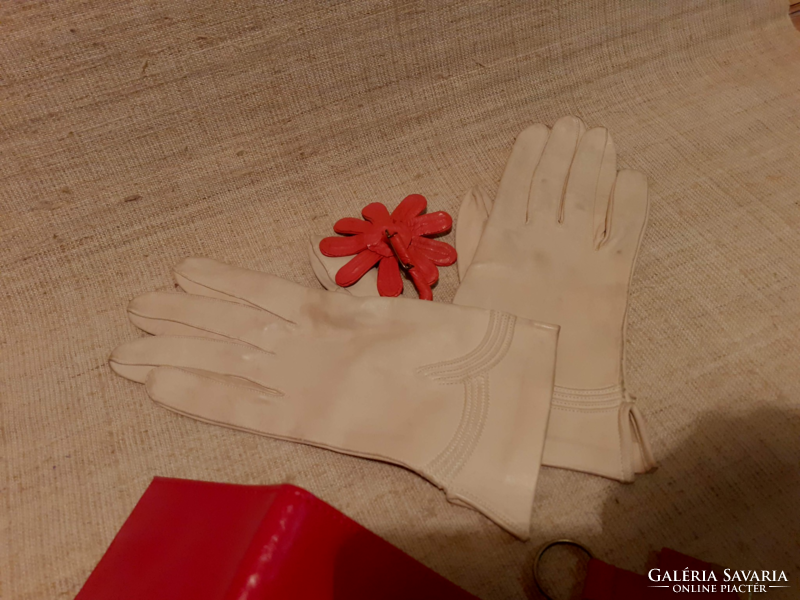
<point x="214" y="541"/>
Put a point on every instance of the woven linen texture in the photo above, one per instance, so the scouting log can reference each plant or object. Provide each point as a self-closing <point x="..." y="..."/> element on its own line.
<point x="133" y="134"/>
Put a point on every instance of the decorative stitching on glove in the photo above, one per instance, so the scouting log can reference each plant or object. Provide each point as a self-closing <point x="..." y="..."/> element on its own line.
<point x="486" y="355"/>
<point x="472" y="370"/>
<point x="476" y="406"/>
<point x="607" y="398"/>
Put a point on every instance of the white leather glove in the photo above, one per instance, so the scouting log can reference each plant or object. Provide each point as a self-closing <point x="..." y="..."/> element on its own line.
<point x="459" y="395"/>
<point x="560" y="247"/>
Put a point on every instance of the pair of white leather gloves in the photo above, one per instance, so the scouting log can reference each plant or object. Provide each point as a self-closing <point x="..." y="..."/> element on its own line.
<point x="469" y="395"/>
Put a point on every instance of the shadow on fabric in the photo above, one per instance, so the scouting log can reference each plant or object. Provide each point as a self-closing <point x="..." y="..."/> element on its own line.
<point x="732" y="484"/>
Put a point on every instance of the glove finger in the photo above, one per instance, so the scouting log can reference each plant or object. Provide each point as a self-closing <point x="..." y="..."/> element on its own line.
<point x="325" y="268"/>
<point x="134" y="360"/>
<point x="209" y="398"/>
<point x="594" y="163"/>
<point x="214" y="279"/>
<point x="472" y="217"/>
<point x="487" y="201"/>
<point x="169" y="313"/>
<point x="605" y="187"/>
<point x="628" y="212"/>
<point x="549" y="181"/>
<point x="511" y="204"/>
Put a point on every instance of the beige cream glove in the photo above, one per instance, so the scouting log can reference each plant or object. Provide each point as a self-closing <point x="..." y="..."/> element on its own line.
<point x="459" y="395"/>
<point x="560" y="247"/>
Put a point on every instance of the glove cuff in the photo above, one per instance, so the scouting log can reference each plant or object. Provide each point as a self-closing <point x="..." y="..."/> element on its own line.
<point x="492" y="461"/>
<point x="597" y="431"/>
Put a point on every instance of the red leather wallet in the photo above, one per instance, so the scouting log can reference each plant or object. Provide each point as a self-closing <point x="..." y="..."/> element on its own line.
<point x="215" y="541"/>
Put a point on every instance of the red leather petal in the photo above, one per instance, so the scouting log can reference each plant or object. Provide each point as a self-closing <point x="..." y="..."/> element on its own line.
<point x="389" y="281"/>
<point x="355" y="269"/>
<point x="425" y="266"/>
<point x="410" y="207"/>
<point x="432" y="223"/>
<point x="423" y="289"/>
<point x="349" y="226"/>
<point x="376" y="213"/>
<point x="440" y="253"/>
<point x="342" y="246"/>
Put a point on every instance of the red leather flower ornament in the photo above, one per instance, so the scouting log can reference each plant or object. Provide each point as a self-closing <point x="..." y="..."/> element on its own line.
<point x="391" y="241"/>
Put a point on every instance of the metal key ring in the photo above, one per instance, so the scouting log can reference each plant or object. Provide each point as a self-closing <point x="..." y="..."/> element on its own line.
<point x="545" y="548"/>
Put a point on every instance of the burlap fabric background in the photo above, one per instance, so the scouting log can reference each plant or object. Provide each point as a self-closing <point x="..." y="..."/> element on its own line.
<point x="133" y="134"/>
